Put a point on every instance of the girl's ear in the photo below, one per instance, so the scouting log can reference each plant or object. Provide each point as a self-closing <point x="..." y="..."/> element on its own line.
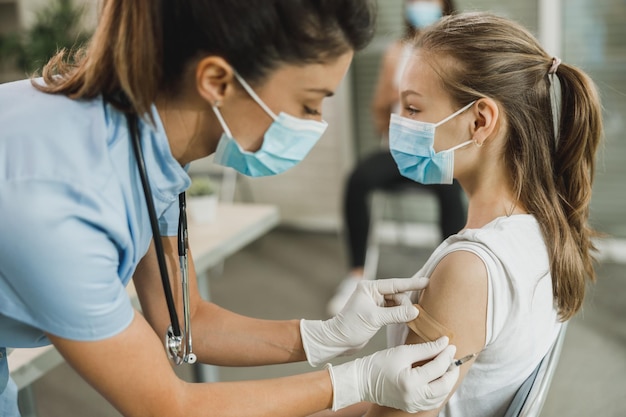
<point x="486" y="114"/>
<point x="213" y="77"/>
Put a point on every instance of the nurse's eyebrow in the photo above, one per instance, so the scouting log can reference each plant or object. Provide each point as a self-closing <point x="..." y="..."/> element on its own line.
<point x="324" y="91"/>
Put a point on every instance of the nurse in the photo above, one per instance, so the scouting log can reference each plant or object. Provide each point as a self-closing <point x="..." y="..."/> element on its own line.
<point x="161" y="84"/>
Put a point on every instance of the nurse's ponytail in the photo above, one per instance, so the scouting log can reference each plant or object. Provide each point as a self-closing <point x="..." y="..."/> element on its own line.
<point x="123" y="58"/>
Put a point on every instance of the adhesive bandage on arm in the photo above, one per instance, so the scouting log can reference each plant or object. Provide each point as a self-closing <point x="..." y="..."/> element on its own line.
<point x="427" y="328"/>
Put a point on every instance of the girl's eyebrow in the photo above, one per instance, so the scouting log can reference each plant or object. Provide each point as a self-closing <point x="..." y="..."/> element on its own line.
<point x="409" y="92"/>
<point x="324" y="91"/>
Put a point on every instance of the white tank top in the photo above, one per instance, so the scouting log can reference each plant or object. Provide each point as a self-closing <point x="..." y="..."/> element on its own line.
<point x="522" y="322"/>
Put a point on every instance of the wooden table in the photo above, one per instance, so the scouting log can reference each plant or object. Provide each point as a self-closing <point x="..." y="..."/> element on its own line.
<point x="236" y="226"/>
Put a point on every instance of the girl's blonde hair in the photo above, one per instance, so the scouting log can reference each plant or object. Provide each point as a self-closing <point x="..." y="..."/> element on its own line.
<point x="551" y="174"/>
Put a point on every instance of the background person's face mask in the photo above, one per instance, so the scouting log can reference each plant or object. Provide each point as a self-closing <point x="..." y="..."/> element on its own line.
<point x="412" y="146"/>
<point x="285" y="143"/>
<point x="421" y="14"/>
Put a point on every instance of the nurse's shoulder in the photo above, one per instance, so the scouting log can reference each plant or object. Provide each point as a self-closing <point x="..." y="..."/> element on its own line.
<point x="48" y="135"/>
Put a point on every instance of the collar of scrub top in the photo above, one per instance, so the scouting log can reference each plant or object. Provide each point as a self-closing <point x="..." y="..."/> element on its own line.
<point x="177" y="351"/>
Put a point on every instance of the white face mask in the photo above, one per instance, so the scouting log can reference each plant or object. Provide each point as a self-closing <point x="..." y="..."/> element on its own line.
<point x="412" y="146"/>
<point x="285" y="143"/>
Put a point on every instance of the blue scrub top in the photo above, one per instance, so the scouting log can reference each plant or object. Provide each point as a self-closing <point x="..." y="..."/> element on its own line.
<point x="74" y="223"/>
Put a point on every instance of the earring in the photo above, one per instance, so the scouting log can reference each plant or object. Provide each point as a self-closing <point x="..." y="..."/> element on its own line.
<point x="478" y="144"/>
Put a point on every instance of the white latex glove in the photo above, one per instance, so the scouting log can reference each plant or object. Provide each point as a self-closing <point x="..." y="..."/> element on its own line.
<point x="387" y="378"/>
<point x="362" y="316"/>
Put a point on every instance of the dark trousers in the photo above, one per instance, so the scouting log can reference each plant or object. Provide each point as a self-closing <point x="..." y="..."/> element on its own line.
<point x="380" y="172"/>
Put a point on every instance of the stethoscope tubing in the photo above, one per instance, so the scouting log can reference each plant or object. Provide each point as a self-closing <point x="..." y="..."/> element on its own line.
<point x="177" y="351"/>
<point x="183" y="259"/>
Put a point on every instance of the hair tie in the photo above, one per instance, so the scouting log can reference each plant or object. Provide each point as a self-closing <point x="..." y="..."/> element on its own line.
<point x="555" y="97"/>
<point x="556" y="61"/>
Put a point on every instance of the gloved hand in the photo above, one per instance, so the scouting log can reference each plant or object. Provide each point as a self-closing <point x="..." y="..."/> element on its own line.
<point x="387" y="378"/>
<point x="362" y="316"/>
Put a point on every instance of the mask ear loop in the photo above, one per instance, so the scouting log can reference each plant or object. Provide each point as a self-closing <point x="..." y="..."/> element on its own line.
<point x="453" y="115"/>
<point x="222" y="122"/>
<point x="460" y="145"/>
<point x="456" y="113"/>
<point x="254" y="95"/>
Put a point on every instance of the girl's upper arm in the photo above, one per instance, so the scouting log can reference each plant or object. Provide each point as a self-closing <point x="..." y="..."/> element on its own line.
<point x="456" y="298"/>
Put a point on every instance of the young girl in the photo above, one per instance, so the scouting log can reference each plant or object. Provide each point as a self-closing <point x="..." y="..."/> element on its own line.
<point x="378" y="171"/>
<point x="482" y="102"/>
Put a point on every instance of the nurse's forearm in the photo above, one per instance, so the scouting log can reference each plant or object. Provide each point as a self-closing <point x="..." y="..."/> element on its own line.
<point x="221" y="337"/>
<point x="132" y="372"/>
<point x="299" y="395"/>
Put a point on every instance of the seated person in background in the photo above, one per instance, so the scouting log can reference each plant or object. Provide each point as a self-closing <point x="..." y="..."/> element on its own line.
<point x="378" y="171"/>
<point x="519" y="131"/>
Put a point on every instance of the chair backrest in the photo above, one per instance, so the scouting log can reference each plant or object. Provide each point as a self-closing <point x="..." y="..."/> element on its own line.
<point x="530" y="397"/>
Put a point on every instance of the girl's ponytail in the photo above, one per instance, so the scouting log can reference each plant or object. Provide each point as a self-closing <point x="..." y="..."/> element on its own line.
<point x="579" y="135"/>
<point x="123" y="61"/>
<point x="580" y="132"/>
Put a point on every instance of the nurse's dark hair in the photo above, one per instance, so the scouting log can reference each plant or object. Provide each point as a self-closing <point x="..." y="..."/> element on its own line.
<point x="142" y="47"/>
<point x="482" y="55"/>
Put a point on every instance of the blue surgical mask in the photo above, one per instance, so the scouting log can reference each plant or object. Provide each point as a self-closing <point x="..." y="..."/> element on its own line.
<point x="412" y="146"/>
<point x="285" y="143"/>
<point x="421" y="14"/>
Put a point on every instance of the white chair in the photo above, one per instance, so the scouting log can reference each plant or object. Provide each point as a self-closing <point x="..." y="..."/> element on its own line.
<point x="531" y="396"/>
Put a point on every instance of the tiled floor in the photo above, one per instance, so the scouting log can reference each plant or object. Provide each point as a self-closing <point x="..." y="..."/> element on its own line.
<point x="291" y="275"/>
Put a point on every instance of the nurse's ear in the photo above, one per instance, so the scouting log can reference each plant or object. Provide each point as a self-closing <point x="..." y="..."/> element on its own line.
<point x="486" y="114"/>
<point x="214" y="79"/>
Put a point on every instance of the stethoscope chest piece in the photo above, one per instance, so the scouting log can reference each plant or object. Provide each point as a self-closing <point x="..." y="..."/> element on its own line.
<point x="176" y="349"/>
<point x="174" y="346"/>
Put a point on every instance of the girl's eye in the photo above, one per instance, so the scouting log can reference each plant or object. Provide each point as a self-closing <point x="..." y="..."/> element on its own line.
<point x="311" y="112"/>
<point x="412" y="111"/>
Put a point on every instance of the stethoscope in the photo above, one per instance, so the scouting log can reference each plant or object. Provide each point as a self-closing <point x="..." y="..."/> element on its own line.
<point x="177" y="351"/>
